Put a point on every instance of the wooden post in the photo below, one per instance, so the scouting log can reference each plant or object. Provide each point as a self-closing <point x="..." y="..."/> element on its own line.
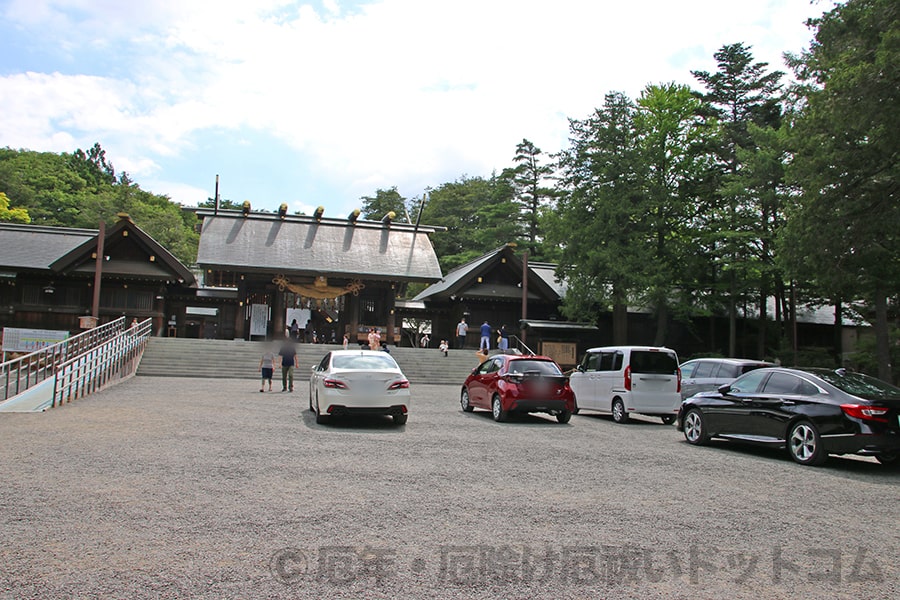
<point x="98" y="271"/>
<point x="524" y="293"/>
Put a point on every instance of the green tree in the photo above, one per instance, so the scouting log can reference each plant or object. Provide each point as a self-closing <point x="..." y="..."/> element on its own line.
<point x="476" y="214"/>
<point x="81" y="189"/>
<point x="668" y="160"/>
<point x="528" y="180"/>
<point x="224" y="204"/>
<point x="598" y="221"/>
<point x="12" y="215"/>
<point x="844" y="230"/>
<point x="375" y="207"/>
<point x="740" y="93"/>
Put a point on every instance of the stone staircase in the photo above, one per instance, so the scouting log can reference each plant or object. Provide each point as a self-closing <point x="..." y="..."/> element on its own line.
<point x="239" y="359"/>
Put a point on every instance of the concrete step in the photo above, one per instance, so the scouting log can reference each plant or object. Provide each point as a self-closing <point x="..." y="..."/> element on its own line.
<point x="239" y="359"/>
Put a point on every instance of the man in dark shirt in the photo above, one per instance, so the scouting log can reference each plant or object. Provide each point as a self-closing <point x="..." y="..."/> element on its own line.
<point x="289" y="360"/>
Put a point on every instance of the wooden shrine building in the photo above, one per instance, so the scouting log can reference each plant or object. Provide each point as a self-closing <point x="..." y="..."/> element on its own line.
<point x="47" y="276"/>
<point x="333" y="276"/>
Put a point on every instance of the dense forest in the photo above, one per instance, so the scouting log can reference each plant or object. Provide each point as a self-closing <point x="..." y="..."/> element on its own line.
<point x="81" y="189"/>
<point x="703" y="200"/>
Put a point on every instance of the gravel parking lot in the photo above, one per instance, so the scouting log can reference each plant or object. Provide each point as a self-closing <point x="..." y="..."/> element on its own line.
<point x="174" y="488"/>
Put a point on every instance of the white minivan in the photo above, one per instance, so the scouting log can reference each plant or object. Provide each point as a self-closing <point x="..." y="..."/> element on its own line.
<point x="628" y="379"/>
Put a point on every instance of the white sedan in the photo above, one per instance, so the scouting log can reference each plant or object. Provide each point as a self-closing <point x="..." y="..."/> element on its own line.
<point x="358" y="382"/>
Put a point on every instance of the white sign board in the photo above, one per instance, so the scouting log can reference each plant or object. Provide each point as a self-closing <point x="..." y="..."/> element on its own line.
<point x="259" y="319"/>
<point x="29" y="340"/>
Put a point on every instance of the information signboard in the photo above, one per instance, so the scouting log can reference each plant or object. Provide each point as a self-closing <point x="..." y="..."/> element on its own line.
<point x="28" y="340"/>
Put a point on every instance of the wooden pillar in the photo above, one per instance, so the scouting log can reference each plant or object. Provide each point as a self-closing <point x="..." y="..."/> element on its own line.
<point x="391" y="315"/>
<point x="277" y="314"/>
<point x="353" y="316"/>
<point x="240" y="313"/>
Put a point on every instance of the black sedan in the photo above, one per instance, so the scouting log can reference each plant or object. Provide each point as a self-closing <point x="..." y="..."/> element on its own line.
<point x="811" y="412"/>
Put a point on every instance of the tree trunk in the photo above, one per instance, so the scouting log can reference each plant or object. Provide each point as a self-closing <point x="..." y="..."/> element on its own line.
<point x="839" y="332"/>
<point x="732" y="322"/>
<point x="882" y="337"/>
<point x="763" y="317"/>
<point x="662" y="321"/>
<point x="620" y="317"/>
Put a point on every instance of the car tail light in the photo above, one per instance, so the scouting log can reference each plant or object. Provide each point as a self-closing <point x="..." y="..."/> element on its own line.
<point x="399" y="385"/>
<point x="628" y="378"/>
<point x="866" y="412"/>
<point x="336" y="384"/>
<point x="679" y="381"/>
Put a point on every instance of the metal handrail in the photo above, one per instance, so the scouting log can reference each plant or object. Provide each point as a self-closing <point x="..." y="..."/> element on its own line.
<point x="20" y="374"/>
<point x="520" y="344"/>
<point x="98" y="367"/>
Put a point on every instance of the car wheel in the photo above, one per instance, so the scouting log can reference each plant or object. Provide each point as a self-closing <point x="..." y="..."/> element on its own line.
<point x="320" y="418"/>
<point x="805" y="445"/>
<point x="889" y="460"/>
<point x="464" y="401"/>
<point x="694" y="428"/>
<point x="400" y="419"/>
<point x="563" y="416"/>
<point x="497" y="409"/>
<point x="668" y="419"/>
<point x="618" y="411"/>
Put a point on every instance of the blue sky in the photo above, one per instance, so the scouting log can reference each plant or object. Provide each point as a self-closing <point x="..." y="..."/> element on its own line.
<point x="321" y="102"/>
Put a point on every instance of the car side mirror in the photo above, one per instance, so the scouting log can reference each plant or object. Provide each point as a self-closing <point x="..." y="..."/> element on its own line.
<point x="724" y="389"/>
<point x="580" y="368"/>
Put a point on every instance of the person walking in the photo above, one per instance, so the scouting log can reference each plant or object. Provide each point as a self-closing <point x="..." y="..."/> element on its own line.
<point x="461" y="329"/>
<point x="485" y="337"/>
<point x="346" y="340"/>
<point x="266" y="369"/>
<point x="289" y="360"/>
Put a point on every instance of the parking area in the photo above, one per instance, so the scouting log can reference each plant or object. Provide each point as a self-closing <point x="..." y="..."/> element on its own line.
<point x="175" y="487"/>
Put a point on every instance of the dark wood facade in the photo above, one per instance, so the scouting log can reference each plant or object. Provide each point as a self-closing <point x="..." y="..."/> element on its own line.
<point x="342" y="275"/>
<point x="47" y="276"/>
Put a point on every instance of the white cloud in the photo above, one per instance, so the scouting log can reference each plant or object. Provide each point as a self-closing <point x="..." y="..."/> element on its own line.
<point x="391" y="92"/>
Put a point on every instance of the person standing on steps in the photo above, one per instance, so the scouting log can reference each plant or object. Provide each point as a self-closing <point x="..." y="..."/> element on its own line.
<point x="289" y="360"/>
<point x="504" y="339"/>
<point x="485" y="344"/>
<point x="461" y="330"/>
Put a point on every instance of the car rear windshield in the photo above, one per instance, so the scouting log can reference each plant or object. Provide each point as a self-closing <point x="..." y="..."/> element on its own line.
<point x="364" y="362"/>
<point x="658" y="363"/>
<point x="544" y="367"/>
<point x="861" y="385"/>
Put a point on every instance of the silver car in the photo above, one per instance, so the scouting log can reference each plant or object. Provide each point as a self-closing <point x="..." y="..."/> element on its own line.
<point x="708" y="374"/>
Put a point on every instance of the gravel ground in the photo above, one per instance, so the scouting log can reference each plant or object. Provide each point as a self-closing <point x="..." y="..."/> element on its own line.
<point x="175" y="488"/>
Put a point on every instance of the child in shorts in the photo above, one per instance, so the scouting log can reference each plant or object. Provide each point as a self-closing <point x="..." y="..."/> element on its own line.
<point x="266" y="368"/>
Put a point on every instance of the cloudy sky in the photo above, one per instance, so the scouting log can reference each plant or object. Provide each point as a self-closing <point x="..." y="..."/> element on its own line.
<point x="315" y="102"/>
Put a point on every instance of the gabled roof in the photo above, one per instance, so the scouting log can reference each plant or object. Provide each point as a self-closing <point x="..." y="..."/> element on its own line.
<point x="463" y="281"/>
<point x="36" y="247"/>
<point x="310" y="246"/>
<point x="163" y="266"/>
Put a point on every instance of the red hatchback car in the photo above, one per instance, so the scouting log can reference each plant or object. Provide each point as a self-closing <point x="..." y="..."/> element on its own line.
<point x="509" y="383"/>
